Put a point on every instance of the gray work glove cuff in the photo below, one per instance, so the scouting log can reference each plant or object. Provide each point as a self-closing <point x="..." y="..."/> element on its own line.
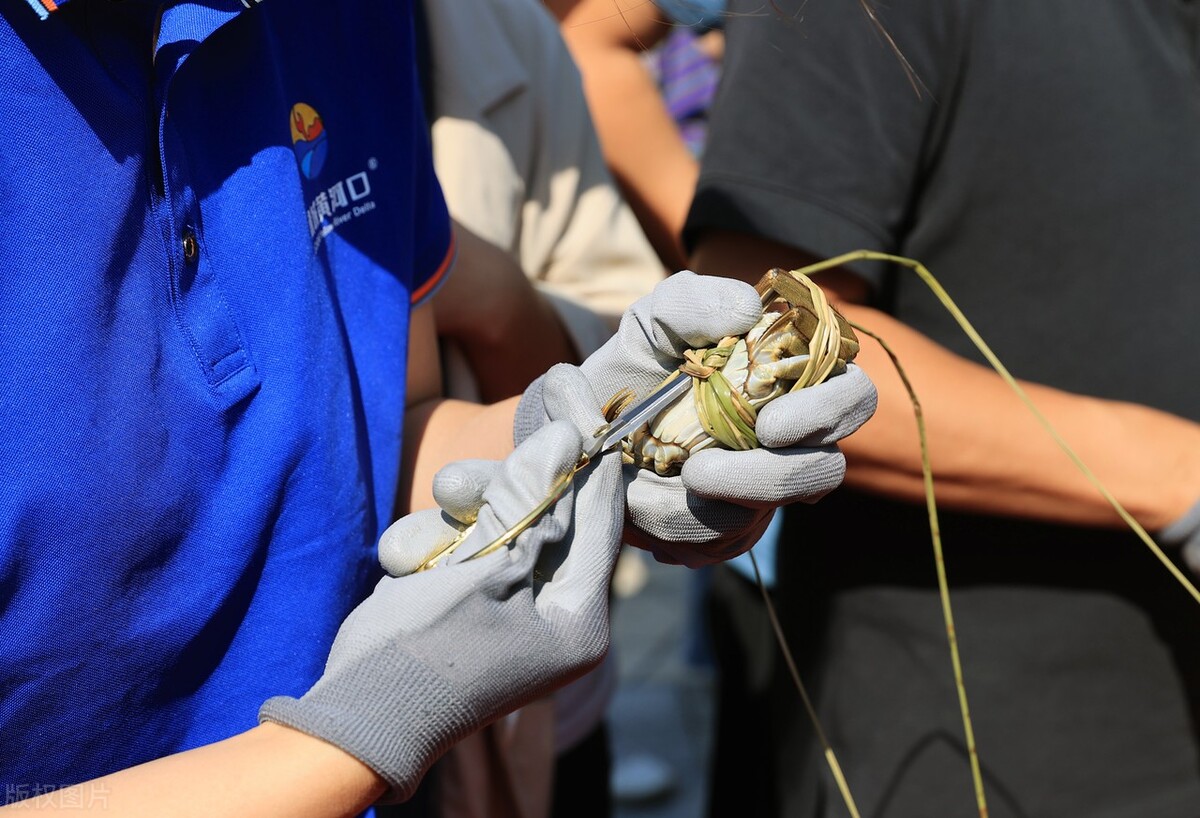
<point x="332" y="711"/>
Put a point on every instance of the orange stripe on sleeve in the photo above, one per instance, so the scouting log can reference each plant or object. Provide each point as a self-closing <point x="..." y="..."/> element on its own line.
<point x="428" y="287"/>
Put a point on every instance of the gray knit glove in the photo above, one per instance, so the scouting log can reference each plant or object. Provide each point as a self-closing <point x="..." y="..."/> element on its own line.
<point x="1184" y="533"/>
<point x="723" y="500"/>
<point x="432" y="657"/>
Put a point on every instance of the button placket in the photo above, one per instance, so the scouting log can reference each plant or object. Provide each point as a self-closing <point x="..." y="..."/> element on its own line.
<point x="202" y="312"/>
<point x="191" y="246"/>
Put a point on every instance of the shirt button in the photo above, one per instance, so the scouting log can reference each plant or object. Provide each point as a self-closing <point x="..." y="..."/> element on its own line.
<point x="191" y="247"/>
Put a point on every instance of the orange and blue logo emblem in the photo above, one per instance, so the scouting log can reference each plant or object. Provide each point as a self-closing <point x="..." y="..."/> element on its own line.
<point x="308" y="139"/>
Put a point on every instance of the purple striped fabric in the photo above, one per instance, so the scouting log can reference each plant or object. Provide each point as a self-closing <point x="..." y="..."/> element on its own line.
<point x="688" y="78"/>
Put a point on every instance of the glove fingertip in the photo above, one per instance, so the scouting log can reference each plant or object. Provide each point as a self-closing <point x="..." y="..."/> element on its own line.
<point x="818" y="415"/>
<point x="458" y="487"/>
<point x="862" y="389"/>
<point x="408" y="542"/>
<point x="702" y="309"/>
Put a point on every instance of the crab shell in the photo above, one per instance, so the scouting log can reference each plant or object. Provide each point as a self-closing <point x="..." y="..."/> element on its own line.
<point x="763" y="365"/>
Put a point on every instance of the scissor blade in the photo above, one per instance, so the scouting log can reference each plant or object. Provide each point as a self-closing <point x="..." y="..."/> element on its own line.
<point x="644" y="411"/>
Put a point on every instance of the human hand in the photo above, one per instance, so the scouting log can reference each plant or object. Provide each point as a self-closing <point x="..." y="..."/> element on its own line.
<point x="723" y="500"/>
<point x="1184" y="533"/>
<point x="431" y="657"/>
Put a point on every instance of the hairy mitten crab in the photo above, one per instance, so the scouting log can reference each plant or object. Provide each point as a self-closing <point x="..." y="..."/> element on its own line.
<point x="800" y="341"/>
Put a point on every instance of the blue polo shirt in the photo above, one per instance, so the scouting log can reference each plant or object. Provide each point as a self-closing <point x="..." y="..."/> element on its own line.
<point x="214" y="223"/>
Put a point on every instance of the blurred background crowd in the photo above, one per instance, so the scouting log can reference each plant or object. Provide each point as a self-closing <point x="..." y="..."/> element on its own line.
<point x="1044" y="162"/>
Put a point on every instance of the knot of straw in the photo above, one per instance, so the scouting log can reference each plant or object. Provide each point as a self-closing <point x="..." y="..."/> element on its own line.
<point x="725" y="415"/>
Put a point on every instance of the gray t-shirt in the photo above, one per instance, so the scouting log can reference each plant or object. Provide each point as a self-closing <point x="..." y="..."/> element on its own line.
<point x="1049" y="175"/>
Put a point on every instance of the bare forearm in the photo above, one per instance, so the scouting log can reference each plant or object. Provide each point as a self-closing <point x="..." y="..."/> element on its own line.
<point x="988" y="452"/>
<point x="643" y="148"/>
<point x="641" y="142"/>
<point x="268" y="771"/>
<point x="437" y="432"/>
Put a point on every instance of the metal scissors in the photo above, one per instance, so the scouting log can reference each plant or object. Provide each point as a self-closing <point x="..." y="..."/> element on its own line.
<point x="603" y="439"/>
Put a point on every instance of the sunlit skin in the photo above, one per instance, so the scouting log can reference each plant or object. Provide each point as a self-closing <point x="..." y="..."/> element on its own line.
<point x="989" y="453"/>
<point x="641" y="143"/>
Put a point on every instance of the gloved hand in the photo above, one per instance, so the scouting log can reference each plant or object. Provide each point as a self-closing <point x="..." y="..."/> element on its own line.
<point x="721" y="503"/>
<point x="1184" y="533"/>
<point x="429" y="658"/>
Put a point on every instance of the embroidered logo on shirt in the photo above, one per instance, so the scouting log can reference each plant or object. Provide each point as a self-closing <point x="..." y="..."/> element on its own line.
<point x="309" y="140"/>
<point x="343" y="200"/>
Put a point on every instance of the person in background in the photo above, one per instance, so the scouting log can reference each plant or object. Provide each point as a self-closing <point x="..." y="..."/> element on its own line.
<point x="521" y="168"/>
<point x="686" y="65"/>
<point x="643" y="147"/>
<point x="213" y="359"/>
<point x="1045" y="173"/>
<point x="524" y="178"/>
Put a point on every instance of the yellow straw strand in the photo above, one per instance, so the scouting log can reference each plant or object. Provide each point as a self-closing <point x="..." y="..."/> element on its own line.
<point x="935" y="532"/>
<point x="509" y="536"/>
<point x="952" y="308"/>
<point x="830" y="757"/>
